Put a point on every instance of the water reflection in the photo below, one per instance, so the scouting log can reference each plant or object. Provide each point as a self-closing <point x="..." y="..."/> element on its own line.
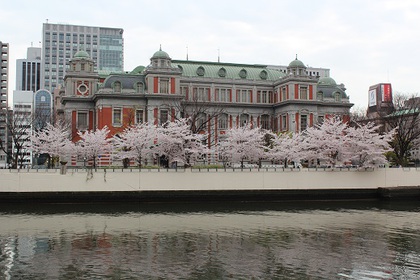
<point x="294" y="240"/>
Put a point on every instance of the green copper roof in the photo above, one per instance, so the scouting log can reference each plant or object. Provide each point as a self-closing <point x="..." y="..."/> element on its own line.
<point x="81" y="54"/>
<point x="297" y="63"/>
<point x="137" y="70"/>
<point x="160" y="54"/>
<point x="326" y="81"/>
<point x="227" y="70"/>
<point x="403" y="112"/>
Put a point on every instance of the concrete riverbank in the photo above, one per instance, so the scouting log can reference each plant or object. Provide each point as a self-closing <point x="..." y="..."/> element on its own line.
<point x="208" y="185"/>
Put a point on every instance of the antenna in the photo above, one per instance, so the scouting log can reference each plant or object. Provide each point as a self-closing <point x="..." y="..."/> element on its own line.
<point x="187" y="52"/>
<point x="218" y="55"/>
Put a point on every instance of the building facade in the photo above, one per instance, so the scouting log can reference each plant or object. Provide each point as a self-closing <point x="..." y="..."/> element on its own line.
<point x="28" y="71"/>
<point x="168" y="89"/>
<point x="4" y="82"/>
<point x="60" y="41"/>
<point x="22" y="118"/>
<point x="31" y="111"/>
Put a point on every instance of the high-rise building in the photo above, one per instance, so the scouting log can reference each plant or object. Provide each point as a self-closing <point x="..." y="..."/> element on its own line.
<point x="22" y="119"/>
<point x="28" y="71"/>
<point x="3" y="99"/>
<point x="4" y="74"/>
<point x="61" y="41"/>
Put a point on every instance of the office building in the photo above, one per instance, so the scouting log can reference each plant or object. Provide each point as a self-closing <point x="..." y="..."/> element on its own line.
<point x="3" y="100"/>
<point x="28" y="71"/>
<point x="22" y="118"/>
<point x="61" y="41"/>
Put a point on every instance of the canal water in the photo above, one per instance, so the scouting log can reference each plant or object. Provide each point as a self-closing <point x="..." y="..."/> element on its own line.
<point x="293" y="240"/>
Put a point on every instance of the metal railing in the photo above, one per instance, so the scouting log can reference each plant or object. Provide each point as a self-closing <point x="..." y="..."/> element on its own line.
<point x="268" y="168"/>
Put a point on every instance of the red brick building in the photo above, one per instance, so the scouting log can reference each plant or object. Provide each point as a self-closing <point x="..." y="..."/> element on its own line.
<point x="266" y="97"/>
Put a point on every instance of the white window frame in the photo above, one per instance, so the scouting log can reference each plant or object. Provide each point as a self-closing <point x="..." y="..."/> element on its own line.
<point x="161" y="113"/>
<point x="243" y="121"/>
<point x="117" y="87"/>
<point x="164" y="85"/>
<point x="266" y="122"/>
<point x="222" y="94"/>
<point x="303" y="93"/>
<point x="337" y="97"/>
<point x="79" y="126"/>
<point x="244" y="96"/>
<point x="283" y="94"/>
<point x="137" y="112"/>
<point x="184" y="90"/>
<point x="303" y="117"/>
<point x="283" y="122"/>
<point x="223" y="121"/>
<point x="115" y="121"/>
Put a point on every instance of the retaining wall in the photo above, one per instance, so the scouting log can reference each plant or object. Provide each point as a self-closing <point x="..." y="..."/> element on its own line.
<point x="191" y="183"/>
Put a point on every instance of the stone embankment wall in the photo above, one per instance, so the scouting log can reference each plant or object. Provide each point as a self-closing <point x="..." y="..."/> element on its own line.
<point x="204" y="180"/>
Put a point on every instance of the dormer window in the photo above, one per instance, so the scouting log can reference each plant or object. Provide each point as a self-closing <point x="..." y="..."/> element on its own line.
<point x="117" y="87"/>
<point x="337" y="97"/>
<point x="320" y="96"/>
<point x="139" y="87"/>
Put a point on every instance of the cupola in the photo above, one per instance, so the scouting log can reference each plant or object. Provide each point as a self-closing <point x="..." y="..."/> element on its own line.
<point x="160" y="59"/>
<point x="296" y="68"/>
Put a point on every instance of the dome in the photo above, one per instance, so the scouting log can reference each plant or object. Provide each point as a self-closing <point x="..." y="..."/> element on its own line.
<point x="81" y="54"/>
<point x="160" y="54"/>
<point x="137" y="70"/>
<point x="297" y="63"/>
<point x="326" y="81"/>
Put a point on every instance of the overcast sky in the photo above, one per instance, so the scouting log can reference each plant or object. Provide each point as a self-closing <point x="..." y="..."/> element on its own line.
<point x="362" y="42"/>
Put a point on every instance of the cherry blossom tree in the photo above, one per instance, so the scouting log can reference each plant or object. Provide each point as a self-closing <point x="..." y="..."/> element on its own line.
<point x="243" y="143"/>
<point x="177" y="143"/>
<point x="53" y="140"/>
<point x="287" y="147"/>
<point x="93" y="144"/>
<point x="326" y="142"/>
<point x="366" y="146"/>
<point x="136" y="142"/>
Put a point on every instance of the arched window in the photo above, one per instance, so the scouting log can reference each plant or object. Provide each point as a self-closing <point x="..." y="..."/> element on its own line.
<point x="117" y="86"/>
<point x="139" y="87"/>
<point x="320" y="95"/>
<point x="337" y="97"/>
<point x="223" y="121"/>
<point x="265" y="122"/>
<point x="201" y="122"/>
<point x="244" y="120"/>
